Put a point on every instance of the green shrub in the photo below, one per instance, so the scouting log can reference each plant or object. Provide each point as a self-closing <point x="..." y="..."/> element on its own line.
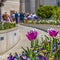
<point x="45" y="11"/>
<point x="57" y="15"/>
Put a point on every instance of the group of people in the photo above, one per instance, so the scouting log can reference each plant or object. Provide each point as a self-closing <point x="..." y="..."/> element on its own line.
<point x="32" y="17"/>
<point x="13" y="17"/>
<point x="18" y="17"/>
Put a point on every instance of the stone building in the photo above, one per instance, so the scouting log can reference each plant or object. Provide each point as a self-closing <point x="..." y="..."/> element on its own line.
<point x="29" y="6"/>
<point x="10" y="5"/>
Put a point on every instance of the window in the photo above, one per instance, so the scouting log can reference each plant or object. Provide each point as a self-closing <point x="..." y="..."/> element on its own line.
<point x="1" y="38"/>
<point x="14" y="34"/>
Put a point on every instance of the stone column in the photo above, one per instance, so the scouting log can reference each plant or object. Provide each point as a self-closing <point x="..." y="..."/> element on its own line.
<point x="32" y="4"/>
<point x="42" y="2"/>
<point x="37" y="3"/>
<point x="22" y="5"/>
<point x="50" y="2"/>
<point x="27" y="6"/>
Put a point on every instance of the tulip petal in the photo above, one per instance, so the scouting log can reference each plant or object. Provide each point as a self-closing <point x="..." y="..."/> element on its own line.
<point x="52" y="32"/>
<point x="32" y="35"/>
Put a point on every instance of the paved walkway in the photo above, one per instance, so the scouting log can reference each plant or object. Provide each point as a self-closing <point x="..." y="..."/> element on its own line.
<point x="44" y="27"/>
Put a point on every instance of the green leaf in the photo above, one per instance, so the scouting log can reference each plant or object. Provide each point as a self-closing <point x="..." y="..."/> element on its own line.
<point x="24" y="49"/>
<point x="57" y="55"/>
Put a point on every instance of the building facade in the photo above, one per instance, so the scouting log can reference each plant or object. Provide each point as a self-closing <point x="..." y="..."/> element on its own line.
<point x="29" y="6"/>
<point x="10" y="5"/>
<point x="32" y="5"/>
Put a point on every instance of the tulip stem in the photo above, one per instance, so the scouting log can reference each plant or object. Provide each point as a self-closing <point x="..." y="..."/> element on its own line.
<point x="51" y="47"/>
<point x="32" y="44"/>
<point x="36" y="42"/>
<point x="56" y="45"/>
<point x="53" y="41"/>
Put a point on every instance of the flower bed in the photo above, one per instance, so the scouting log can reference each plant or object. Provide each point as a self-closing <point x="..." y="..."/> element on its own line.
<point x="51" y="22"/>
<point x="7" y="25"/>
<point x="49" y="49"/>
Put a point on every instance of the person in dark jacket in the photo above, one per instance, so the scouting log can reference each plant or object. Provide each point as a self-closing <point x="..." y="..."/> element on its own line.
<point x="16" y="17"/>
<point x="22" y="17"/>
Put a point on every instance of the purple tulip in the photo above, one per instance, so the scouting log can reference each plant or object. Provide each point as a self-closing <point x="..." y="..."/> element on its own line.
<point x="52" y="32"/>
<point x="32" y="35"/>
<point x="23" y="57"/>
<point x="16" y="56"/>
<point x="59" y="43"/>
<point x="10" y="58"/>
<point x="42" y="48"/>
<point x="54" y="50"/>
<point x="45" y="58"/>
<point x="42" y="58"/>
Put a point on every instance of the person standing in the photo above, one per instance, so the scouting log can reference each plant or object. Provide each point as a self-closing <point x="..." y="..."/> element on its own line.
<point x="5" y="16"/>
<point x="22" y="17"/>
<point x="16" y="17"/>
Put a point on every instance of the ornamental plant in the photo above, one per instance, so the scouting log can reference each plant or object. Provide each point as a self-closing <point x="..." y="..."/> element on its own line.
<point x="32" y="36"/>
<point x="45" y="12"/>
<point x="7" y="25"/>
<point x="57" y="55"/>
<point x="49" y="46"/>
<point x="30" y="54"/>
<point x="46" y="51"/>
<point x="53" y="33"/>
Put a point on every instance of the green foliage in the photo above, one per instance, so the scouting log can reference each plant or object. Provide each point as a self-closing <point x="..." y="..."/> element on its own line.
<point x="45" y="11"/>
<point x="57" y="14"/>
<point x="52" y="23"/>
<point x="35" y="43"/>
<point x="43" y="22"/>
<point x="29" y="53"/>
<point x="7" y="26"/>
<point x="0" y="26"/>
<point x="57" y="55"/>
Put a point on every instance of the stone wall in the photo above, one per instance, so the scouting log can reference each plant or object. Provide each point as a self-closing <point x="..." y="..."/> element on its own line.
<point x="8" y="39"/>
<point x="15" y="38"/>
